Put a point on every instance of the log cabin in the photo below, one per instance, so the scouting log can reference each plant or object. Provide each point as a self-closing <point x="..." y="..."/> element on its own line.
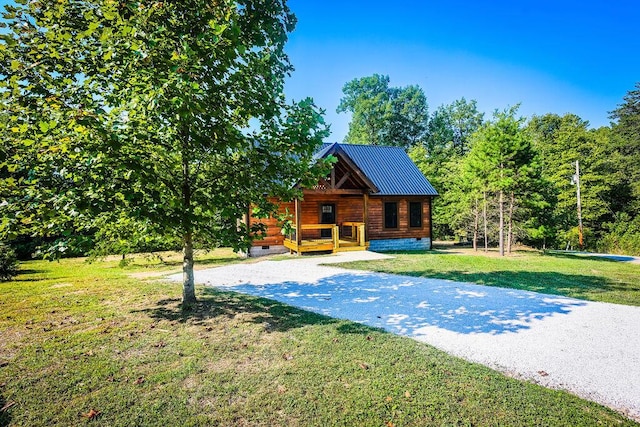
<point x="374" y="198"/>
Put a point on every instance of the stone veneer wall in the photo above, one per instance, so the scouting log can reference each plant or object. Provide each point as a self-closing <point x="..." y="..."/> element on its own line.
<point x="409" y="244"/>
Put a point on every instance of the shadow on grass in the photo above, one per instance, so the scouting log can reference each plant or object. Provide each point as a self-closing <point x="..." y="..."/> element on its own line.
<point x="214" y="304"/>
<point x="358" y="329"/>
<point x="5" y="416"/>
<point x="26" y="275"/>
<point x="582" y="256"/>
<point x="547" y="282"/>
<point x="28" y="271"/>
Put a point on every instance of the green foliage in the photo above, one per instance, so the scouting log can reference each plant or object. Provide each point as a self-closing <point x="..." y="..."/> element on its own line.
<point x="383" y="115"/>
<point x="124" y="235"/>
<point x="502" y="163"/>
<point x="441" y="159"/>
<point x="623" y="236"/>
<point x="626" y="137"/>
<point x="451" y="126"/>
<point x="561" y="141"/>
<point x="8" y="262"/>
<point x="170" y="114"/>
<point x="471" y="163"/>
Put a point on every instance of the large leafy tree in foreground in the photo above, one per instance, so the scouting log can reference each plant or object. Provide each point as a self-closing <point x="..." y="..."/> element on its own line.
<point x="171" y="113"/>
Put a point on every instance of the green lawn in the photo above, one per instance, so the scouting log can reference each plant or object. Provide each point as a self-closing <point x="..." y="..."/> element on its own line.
<point x="80" y="339"/>
<point x="595" y="279"/>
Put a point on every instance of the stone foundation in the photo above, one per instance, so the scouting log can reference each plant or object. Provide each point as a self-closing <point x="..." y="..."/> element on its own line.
<point x="409" y="244"/>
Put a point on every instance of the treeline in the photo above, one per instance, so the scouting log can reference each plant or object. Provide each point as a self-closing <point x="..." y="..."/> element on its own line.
<point x="508" y="179"/>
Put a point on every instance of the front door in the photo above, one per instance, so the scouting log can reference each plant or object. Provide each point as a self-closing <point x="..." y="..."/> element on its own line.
<point x="327" y="216"/>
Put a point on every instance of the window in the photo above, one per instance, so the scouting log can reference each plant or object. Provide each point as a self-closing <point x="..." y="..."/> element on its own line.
<point x="391" y="215"/>
<point x="415" y="214"/>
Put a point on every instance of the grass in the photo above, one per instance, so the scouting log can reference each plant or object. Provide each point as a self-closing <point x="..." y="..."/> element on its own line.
<point x="97" y="344"/>
<point x="589" y="278"/>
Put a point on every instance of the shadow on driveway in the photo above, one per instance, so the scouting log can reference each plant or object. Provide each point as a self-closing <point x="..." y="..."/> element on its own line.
<point x="402" y="304"/>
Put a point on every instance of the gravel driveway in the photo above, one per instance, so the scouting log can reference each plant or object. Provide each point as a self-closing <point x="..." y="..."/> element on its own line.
<point x="591" y="349"/>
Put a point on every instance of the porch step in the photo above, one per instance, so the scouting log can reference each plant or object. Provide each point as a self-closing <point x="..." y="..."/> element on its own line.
<point x="351" y="248"/>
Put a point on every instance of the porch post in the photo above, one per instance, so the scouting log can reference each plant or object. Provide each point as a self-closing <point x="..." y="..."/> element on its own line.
<point x="430" y="223"/>
<point x="365" y="216"/>
<point x="298" y="221"/>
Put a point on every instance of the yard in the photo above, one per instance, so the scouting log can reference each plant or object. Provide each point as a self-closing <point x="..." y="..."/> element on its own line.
<point x="589" y="278"/>
<point x="103" y="345"/>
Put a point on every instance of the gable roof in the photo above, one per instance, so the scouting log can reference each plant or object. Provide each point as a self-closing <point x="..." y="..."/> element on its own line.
<point x="389" y="168"/>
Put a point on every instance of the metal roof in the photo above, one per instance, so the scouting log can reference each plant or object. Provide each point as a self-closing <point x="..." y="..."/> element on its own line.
<point x="389" y="168"/>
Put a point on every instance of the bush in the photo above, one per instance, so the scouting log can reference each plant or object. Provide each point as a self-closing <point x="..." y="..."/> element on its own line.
<point x="623" y="236"/>
<point x="571" y="239"/>
<point x="8" y="263"/>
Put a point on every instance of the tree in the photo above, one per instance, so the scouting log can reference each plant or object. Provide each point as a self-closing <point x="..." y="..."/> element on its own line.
<point x="502" y="156"/>
<point x="446" y="143"/>
<point x="171" y="113"/>
<point x="626" y="136"/>
<point x="563" y="140"/>
<point x="477" y="174"/>
<point x="383" y="115"/>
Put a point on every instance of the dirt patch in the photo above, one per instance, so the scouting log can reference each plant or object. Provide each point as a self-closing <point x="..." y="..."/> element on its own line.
<point x="61" y="285"/>
<point x="142" y="275"/>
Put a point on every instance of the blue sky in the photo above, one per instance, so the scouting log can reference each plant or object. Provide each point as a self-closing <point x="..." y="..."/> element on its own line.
<point x="551" y="56"/>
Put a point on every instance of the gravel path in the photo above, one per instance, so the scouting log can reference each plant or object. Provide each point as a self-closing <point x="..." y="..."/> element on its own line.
<point x="591" y="349"/>
<point x="612" y="257"/>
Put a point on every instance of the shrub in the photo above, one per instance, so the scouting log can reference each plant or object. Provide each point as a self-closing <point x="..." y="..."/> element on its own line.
<point x="570" y="239"/>
<point x="623" y="236"/>
<point x="8" y="263"/>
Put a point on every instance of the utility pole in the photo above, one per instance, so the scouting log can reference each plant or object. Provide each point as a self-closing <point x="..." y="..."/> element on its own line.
<point x="576" y="180"/>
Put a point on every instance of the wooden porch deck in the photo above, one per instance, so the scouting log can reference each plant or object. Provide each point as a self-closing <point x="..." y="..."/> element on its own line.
<point x="322" y="245"/>
<point x="335" y="243"/>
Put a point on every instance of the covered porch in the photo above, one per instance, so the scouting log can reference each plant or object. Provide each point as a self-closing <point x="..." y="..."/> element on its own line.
<point x="332" y="216"/>
<point x="349" y="236"/>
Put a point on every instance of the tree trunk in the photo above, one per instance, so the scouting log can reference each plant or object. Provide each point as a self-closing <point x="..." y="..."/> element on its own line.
<point x="484" y="218"/>
<point x="188" y="287"/>
<point x="476" y="220"/>
<point x="501" y="226"/>
<point x="510" y="224"/>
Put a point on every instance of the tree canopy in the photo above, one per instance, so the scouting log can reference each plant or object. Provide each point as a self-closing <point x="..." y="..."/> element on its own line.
<point x="170" y="114"/>
<point x="512" y="179"/>
<point x="384" y="115"/>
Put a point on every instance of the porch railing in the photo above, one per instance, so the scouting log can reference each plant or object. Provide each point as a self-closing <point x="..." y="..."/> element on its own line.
<point x="356" y="237"/>
<point x="357" y="232"/>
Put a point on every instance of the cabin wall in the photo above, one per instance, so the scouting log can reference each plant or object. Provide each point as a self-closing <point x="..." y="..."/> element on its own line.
<point x="349" y="208"/>
<point x="403" y="237"/>
<point x="274" y="235"/>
